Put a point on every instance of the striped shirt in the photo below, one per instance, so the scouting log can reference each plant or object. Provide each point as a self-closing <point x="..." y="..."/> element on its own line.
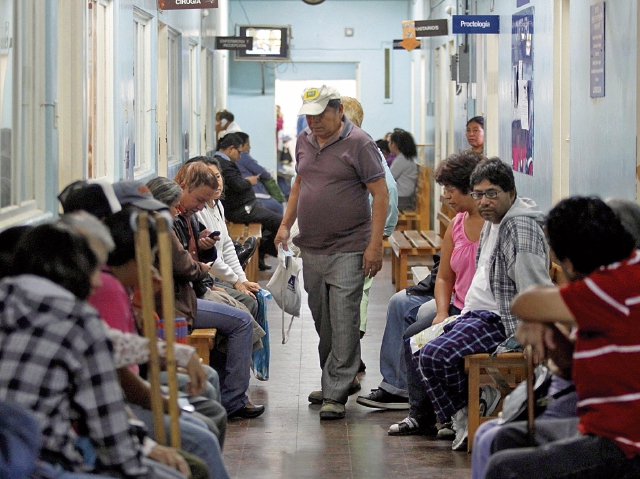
<point x="606" y="306"/>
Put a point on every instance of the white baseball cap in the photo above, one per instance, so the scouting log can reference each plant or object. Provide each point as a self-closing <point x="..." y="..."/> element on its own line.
<point x="315" y="100"/>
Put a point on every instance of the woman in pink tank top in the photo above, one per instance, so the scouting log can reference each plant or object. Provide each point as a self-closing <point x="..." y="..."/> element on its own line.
<point x="460" y="242"/>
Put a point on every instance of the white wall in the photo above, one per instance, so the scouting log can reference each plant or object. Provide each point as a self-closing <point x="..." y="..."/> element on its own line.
<point x="318" y="37"/>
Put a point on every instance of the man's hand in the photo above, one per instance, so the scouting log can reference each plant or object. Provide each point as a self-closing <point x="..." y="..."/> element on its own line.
<point x="538" y="335"/>
<point x="169" y="457"/>
<point x="372" y="260"/>
<point x="204" y="242"/>
<point x="282" y="237"/>
<point x="253" y="179"/>
<point x="197" y="376"/>
<point x="247" y="287"/>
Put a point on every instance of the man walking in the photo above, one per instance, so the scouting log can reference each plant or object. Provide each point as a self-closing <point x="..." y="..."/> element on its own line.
<point x="340" y="236"/>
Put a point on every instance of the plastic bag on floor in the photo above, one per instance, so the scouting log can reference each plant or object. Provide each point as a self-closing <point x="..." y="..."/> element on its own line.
<point x="261" y="356"/>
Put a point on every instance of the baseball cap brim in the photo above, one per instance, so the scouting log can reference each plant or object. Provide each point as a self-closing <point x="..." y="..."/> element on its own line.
<point x="313" y="108"/>
<point x="148" y="204"/>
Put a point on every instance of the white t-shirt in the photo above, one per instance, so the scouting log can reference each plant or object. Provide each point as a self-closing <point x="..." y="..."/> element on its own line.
<point x="479" y="296"/>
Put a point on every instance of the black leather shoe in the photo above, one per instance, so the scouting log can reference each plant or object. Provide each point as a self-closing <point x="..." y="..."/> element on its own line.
<point x="247" y="249"/>
<point x="262" y="266"/>
<point x="250" y="411"/>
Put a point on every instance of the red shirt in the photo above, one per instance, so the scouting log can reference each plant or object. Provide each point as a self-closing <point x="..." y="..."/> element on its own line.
<point x="606" y="360"/>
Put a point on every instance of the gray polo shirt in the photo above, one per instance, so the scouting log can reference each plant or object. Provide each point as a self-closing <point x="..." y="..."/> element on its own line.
<point x="334" y="213"/>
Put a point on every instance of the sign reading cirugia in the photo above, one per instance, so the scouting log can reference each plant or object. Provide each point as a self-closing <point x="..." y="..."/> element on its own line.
<point x="185" y="4"/>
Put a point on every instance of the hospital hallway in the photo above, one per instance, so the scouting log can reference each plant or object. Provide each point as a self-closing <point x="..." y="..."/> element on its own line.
<point x="289" y="440"/>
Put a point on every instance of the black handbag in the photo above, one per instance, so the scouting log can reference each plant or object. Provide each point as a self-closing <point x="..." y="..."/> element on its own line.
<point x="514" y="407"/>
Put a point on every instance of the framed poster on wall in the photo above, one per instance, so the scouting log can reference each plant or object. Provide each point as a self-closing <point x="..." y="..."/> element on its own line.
<point x="522" y="125"/>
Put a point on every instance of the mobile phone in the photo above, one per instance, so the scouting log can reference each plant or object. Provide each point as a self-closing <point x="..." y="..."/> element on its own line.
<point x="215" y="233"/>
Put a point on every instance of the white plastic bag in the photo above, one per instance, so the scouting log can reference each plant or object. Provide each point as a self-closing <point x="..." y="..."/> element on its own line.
<point x="284" y="286"/>
<point x="426" y="335"/>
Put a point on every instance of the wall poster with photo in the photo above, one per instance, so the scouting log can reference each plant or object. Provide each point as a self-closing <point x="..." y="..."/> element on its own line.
<point x="522" y="91"/>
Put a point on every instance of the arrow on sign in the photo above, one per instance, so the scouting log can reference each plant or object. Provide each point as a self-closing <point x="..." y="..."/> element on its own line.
<point x="410" y="43"/>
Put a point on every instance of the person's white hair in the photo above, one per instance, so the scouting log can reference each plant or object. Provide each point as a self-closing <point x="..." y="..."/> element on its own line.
<point x="92" y="229"/>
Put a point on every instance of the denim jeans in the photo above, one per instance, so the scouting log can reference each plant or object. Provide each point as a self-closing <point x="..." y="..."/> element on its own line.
<point x="401" y="313"/>
<point x="561" y="452"/>
<point x="196" y="439"/>
<point x="234" y="368"/>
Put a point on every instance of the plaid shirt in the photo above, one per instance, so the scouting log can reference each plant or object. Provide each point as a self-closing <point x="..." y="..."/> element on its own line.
<point x="520" y="259"/>
<point x="56" y="360"/>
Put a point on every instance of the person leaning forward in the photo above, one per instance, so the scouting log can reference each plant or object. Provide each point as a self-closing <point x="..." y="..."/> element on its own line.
<point x="340" y="233"/>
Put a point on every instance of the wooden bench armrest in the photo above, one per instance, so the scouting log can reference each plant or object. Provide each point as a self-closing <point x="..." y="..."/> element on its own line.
<point x="202" y="340"/>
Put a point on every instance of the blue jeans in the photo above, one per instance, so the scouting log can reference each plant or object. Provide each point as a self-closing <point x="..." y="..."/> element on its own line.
<point x="561" y="451"/>
<point x="401" y="313"/>
<point x="235" y="368"/>
<point x="196" y="439"/>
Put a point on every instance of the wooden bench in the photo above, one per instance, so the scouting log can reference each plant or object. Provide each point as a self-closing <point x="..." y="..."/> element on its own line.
<point x="411" y="246"/>
<point x="202" y="340"/>
<point x="419" y="217"/>
<point x="240" y="232"/>
<point x="503" y="371"/>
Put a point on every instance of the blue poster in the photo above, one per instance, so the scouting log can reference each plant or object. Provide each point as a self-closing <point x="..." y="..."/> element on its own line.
<point x="522" y="91"/>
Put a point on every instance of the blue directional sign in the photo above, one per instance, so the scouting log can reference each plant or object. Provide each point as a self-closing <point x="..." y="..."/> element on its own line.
<point x="476" y="24"/>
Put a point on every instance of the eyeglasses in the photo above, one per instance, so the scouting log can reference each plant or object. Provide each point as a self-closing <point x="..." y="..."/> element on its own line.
<point x="490" y="194"/>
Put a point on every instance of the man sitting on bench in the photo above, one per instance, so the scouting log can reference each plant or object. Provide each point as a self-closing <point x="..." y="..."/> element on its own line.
<point x="604" y="439"/>
<point x="512" y="255"/>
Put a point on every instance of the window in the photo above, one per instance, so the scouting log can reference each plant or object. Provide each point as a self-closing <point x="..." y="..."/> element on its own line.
<point x="143" y="112"/>
<point x="194" y="100"/>
<point x="27" y="111"/>
<point x="173" y="98"/>
<point x="207" y="102"/>
<point x="99" y="71"/>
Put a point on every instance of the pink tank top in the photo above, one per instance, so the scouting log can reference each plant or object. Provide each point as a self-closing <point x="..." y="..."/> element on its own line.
<point x="463" y="260"/>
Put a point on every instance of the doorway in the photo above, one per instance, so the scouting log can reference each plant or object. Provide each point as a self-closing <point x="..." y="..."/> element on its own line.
<point x="287" y="96"/>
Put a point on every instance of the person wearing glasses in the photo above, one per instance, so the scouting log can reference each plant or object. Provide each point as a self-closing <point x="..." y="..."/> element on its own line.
<point x="456" y="268"/>
<point x="512" y="256"/>
<point x="239" y="201"/>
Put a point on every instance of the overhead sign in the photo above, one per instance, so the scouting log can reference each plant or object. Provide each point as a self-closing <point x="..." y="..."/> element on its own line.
<point x="409" y="41"/>
<point x="397" y="45"/>
<point x="476" y="24"/>
<point x="234" y="43"/>
<point x="184" y="4"/>
<point x="431" y="28"/>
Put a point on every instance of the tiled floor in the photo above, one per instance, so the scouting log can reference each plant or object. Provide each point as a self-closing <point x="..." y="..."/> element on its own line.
<point x="289" y="440"/>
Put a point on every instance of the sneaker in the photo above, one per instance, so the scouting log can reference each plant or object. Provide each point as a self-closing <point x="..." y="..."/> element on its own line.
<point x="461" y="427"/>
<point x="409" y="426"/>
<point x="331" y="410"/>
<point x="445" y="431"/>
<point x="381" y="399"/>
<point x="315" y="397"/>
<point x="489" y="399"/>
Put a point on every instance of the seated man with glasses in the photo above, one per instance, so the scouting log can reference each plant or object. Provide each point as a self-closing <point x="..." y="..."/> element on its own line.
<point x="512" y="256"/>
